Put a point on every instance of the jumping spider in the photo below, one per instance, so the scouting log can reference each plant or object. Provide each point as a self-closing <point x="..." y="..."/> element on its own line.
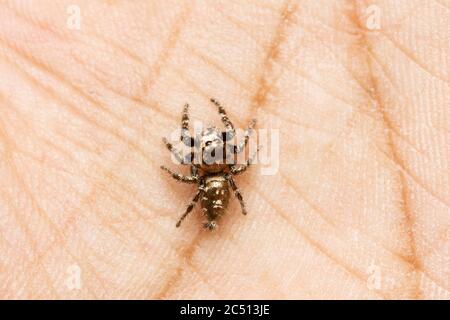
<point x="217" y="176"/>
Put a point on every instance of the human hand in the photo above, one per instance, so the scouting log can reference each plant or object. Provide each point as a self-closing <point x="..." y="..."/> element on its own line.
<point x="359" y="207"/>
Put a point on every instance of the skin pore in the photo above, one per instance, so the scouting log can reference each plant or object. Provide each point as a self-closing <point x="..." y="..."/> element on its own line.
<point x="359" y="91"/>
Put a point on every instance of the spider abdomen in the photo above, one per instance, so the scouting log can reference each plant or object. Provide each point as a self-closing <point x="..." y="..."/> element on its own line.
<point x="215" y="199"/>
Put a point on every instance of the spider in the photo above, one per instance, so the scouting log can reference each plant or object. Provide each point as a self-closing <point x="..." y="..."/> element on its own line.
<point x="213" y="170"/>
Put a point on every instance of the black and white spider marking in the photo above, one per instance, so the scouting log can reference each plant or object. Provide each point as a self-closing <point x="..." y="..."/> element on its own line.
<point x="213" y="163"/>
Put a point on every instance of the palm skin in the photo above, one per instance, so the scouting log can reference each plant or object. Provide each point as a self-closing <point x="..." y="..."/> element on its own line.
<point x="358" y="209"/>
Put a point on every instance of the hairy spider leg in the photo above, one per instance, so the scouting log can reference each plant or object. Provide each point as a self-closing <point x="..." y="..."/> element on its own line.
<point x="226" y="121"/>
<point x="174" y="151"/>
<point x="237" y="193"/>
<point x="185" y="117"/>
<point x="235" y="170"/>
<point x="192" y="204"/>
<point x="193" y="178"/>
<point x="247" y="135"/>
<point x="185" y="136"/>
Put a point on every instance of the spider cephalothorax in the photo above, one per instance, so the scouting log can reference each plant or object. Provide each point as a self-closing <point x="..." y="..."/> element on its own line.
<point x="213" y="151"/>
<point x="213" y="164"/>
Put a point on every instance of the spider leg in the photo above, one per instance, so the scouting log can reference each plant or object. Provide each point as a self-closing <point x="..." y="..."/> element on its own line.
<point x="235" y="170"/>
<point x="247" y="135"/>
<point x="185" y="136"/>
<point x="174" y="151"/>
<point x="180" y="177"/>
<point x="237" y="193"/>
<point x="185" y="117"/>
<point x="226" y="121"/>
<point x="191" y="205"/>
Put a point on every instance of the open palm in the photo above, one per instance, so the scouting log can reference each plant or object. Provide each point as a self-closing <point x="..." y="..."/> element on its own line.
<point x="359" y="206"/>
